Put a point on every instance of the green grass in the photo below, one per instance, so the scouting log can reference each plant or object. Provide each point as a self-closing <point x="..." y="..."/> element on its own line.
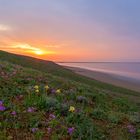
<point x="98" y="114"/>
<point x="53" y="68"/>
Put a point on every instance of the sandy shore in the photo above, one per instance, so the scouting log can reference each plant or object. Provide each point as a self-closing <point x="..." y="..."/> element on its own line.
<point x="108" y="78"/>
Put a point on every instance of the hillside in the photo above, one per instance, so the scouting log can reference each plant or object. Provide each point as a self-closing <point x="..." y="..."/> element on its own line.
<point x="38" y="104"/>
<point x="53" y="68"/>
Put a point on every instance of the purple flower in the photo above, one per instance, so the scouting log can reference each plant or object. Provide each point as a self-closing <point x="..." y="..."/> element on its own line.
<point x="31" y="109"/>
<point x="13" y="113"/>
<point x="1" y="102"/>
<point x="131" y="129"/>
<point x="34" y="130"/>
<point x="53" y="91"/>
<point x="2" y="108"/>
<point x="49" y="130"/>
<point x="52" y="116"/>
<point x="70" y="130"/>
<point x="81" y="99"/>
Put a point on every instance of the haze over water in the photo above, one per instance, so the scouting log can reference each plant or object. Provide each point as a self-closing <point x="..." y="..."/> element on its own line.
<point x="129" y="70"/>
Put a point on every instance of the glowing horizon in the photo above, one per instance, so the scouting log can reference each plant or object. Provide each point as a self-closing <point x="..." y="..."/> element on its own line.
<point x="81" y="30"/>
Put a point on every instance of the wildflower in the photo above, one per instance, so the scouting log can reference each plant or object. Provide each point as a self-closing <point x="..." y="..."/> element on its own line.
<point x="53" y="91"/>
<point x="52" y="116"/>
<point x="13" y="113"/>
<point x="70" y="130"/>
<point x="71" y="109"/>
<point x="81" y="99"/>
<point x="34" y="130"/>
<point x="1" y="102"/>
<point x="46" y="87"/>
<point x="2" y="108"/>
<point x="131" y="129"/>
<point x="31" y="109"/>
<point x="36" y="90"/>
<point x="36" y="87"/>
<point x="48" y="129"/>
<point x="58" y="91"/>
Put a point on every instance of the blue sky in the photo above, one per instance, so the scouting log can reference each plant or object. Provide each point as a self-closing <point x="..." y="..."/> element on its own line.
<point x="85" y="30"/>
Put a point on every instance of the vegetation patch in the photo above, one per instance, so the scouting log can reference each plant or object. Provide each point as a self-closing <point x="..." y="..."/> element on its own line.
<point x="37" y="105"/>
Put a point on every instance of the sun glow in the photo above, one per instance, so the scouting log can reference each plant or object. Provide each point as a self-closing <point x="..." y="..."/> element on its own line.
<point x="31" y="49"/>
<point x="39" y="52"/>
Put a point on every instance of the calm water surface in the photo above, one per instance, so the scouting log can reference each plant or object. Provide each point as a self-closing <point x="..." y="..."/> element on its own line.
<point x="128" y="69"/>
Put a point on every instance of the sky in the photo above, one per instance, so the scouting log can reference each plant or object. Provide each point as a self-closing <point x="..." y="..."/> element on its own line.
<point x="71" y="30"/>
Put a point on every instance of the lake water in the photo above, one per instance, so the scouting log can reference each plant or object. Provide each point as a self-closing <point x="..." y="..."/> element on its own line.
<point x="127" y="69"/>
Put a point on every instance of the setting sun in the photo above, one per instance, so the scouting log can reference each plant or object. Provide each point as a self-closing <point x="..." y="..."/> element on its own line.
<point x="27" y="48"/>
<point x="39" y="52"/>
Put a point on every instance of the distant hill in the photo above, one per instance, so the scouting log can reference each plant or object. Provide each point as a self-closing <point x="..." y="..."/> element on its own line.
<point x="26" y="61"/>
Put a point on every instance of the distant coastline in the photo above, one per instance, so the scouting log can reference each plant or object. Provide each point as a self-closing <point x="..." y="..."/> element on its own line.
<point x="122" y="74"/>
<point x="113" y="79"/>
<point x="125" y="69"/>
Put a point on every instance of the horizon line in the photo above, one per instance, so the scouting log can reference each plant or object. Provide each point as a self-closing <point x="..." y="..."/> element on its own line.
<point x="97" y="61"/>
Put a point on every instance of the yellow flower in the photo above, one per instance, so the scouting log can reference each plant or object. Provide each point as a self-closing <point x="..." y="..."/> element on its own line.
<point x="58" y="91"/>
<point x="37" y="90"/>
<point x="71" y="109"/>
<point x="36" y="86"/>
<point x="46" y="87"/>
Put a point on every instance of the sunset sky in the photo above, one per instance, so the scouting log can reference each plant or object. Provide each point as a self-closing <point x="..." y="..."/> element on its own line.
<point x="71" y="30"/>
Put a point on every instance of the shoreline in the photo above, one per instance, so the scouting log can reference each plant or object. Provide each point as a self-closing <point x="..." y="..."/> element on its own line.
<point x="109" y="78"/>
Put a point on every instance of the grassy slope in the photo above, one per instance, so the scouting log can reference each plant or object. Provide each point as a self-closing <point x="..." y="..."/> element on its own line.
<point x="50" y="67"/>
<point x="97" y="116"/>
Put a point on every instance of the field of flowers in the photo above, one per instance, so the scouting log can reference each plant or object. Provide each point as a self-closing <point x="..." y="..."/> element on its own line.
<point x="40" y="106"/>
